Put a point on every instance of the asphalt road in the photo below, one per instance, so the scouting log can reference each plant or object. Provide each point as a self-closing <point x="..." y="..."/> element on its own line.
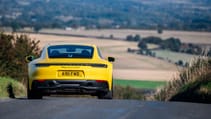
<point x="82" y="108"/>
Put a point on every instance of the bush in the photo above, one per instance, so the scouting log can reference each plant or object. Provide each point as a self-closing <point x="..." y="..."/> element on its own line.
<point x="129" y="38"/>
<point x="142" y="45"/>
<point x="135" y="38"/>
<point x="180" y="63"/>
<point x="199" y="70"/>
<point x="13" y="50"/>
<point x="153" y="40"/>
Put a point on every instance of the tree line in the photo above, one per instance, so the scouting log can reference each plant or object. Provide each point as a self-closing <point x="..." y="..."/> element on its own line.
<point x="172" y="44"/>
<point x="93" y="14"/>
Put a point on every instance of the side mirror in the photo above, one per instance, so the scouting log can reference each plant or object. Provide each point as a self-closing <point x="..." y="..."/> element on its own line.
<point x="29" y="58"/>
<point x="111" y="59"/>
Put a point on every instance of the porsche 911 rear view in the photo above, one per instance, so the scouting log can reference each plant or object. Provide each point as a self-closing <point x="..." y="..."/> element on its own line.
<point x="70" y="69"/>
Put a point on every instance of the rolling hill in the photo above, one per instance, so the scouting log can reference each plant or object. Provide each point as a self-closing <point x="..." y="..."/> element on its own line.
<point x="144" y="14"/>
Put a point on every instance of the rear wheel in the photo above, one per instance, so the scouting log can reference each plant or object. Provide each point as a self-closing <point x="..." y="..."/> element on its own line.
<point x="33" y="94"/>
<point x="107" y="95"/>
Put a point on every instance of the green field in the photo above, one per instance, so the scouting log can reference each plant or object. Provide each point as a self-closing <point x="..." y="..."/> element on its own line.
<point x="140" y="84"/>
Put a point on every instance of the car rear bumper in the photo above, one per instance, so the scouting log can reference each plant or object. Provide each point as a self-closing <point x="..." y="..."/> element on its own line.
<point x="70" y="86"/>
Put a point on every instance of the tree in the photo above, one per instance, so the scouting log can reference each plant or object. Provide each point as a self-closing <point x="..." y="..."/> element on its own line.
<point x="129" y="38"/>
<point x="209" y="52"/>
<point x="111" y="36"/>
<point x="180" y="63"/>
<point x="6" y="54"/>
<point x="137" y="38"/>
<point x="160" y="29"/>
<point x="37" y="28"/>
<point x="153" y="40"/>
<point x="23" y="47"/>
<point x="15" y="26"/>
<point x="13" y="50"/>
<point x="142" y="45"/>
<point x="172" y="44"/>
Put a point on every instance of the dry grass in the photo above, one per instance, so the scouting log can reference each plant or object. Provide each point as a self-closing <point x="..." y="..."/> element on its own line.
<point x="198" y="71"/>
<point x="18" y="88"/>
<point x="128" y="93"/>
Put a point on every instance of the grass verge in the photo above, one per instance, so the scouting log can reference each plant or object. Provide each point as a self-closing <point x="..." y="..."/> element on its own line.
<point x="135" y="89"/>
<point x="122" y="92"/>
<point x="139" y="83"/>
<point x="192" y="85"/>
<point x="18" y="88"/>
<point x="198" y="91"/>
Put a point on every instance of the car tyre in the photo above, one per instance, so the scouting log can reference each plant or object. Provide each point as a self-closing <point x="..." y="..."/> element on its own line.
<point x="33" y="94"/>
<point x="108" y="95"/>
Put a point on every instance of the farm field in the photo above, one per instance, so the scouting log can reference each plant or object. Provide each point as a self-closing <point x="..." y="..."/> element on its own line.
<point x="127" y="66"/>
<point x="185" y="36"/>
<point x="140" y="84"/>
<point x="174" y="56"/>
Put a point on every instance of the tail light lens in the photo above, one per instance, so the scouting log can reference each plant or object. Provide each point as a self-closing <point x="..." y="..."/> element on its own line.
<point x="101" y="81"/>
<point x="41" y="81"/>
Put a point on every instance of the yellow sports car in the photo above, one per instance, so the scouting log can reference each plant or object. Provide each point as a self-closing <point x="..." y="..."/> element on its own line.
<point x="65" y="68"/>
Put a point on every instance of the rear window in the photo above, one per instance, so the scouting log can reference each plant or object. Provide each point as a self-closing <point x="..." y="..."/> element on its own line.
<point x="70" y="51"/>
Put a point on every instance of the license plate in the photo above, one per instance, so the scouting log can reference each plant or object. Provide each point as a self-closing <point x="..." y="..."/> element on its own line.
<point x="70" y="74"/>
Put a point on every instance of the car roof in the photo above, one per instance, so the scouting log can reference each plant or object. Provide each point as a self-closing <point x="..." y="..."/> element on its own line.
<point x="65" y="43"/>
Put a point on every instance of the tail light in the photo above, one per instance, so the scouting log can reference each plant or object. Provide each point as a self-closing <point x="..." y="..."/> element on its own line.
<point x="41" y="81"/>
<point x="101" y="81"/>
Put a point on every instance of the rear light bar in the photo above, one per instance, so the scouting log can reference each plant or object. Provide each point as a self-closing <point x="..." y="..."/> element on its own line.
<point x="71" y="64"/>
<point x="41" y="81"/>
<point x="101" y="81"/>
<point x="99" y="65"/>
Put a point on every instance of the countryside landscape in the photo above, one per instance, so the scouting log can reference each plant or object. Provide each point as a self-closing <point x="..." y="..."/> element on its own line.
<point x="146" y="77"/>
